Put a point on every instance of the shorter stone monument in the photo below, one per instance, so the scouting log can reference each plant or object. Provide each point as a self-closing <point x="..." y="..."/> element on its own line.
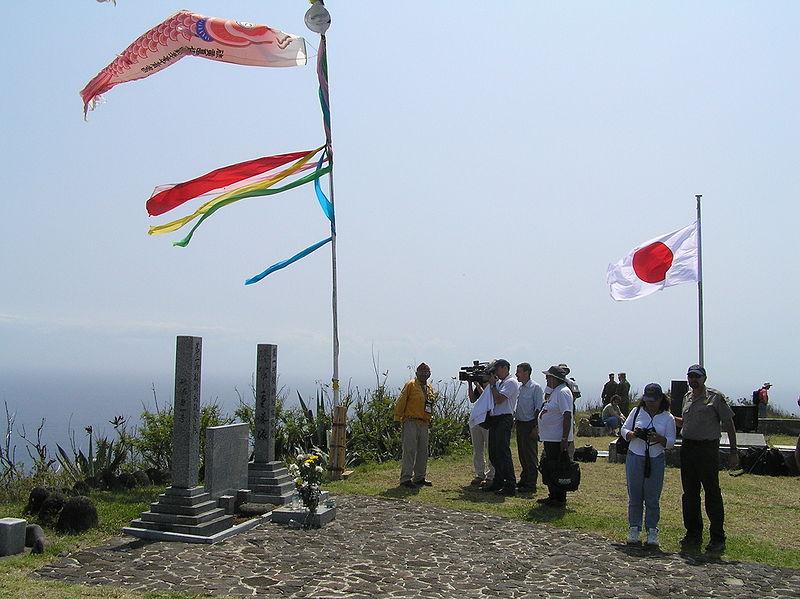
<point x="12" y="536"/>
<point x="227" y="450"/>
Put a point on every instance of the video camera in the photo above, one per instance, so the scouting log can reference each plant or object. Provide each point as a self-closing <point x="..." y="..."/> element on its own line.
<point x="478" y="372"/>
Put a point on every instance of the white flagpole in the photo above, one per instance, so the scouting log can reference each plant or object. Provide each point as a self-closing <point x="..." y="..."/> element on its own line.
<point x="318" y="19"/>
<point x="699" y="282"/>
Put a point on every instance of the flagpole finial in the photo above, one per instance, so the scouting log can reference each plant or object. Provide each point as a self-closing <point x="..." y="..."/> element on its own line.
<point x="318" y="19"/>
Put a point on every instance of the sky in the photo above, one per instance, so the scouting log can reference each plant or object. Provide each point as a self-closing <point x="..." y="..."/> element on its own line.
<point x="491" y="160"/>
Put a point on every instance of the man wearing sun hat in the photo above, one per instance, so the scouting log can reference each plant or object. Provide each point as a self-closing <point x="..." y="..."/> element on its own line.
<point x="704" y="411"/>
<point x="555" y="427"/>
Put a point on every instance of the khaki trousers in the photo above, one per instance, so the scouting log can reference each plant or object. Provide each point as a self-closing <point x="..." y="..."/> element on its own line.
<point x="415" y="451"/>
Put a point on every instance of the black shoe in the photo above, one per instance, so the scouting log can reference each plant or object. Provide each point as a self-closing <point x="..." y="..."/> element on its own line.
<point x="506" y="491"/>
<point x="423" y="483"/>
<point x="715" y="547"/>
<point x="408" y="485"/>
<point x="552" y="502"/>
<point x="491" y="488"/>
<point x="689" y="543"/>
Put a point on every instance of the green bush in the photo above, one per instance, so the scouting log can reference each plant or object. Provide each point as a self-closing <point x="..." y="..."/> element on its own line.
<point x="373" y="435"/>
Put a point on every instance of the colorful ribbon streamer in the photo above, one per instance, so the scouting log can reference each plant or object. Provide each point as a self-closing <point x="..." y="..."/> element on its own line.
<point x="324" y="202"/>
<point x="287" y="262"/>
<point x="251" y="194"/>
<point x="221" y="180"/>
<point x="237" y="194"/>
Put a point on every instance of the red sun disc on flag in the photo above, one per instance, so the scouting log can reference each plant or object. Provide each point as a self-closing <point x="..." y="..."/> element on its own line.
<point x="652" y="262"/>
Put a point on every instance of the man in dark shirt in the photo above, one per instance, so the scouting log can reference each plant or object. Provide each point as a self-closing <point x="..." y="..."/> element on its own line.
<point x="609" y="389"/>
<point x="624" y="392"/>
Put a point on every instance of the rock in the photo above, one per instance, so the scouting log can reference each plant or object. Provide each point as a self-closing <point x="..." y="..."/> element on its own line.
<point x="78" y="515"/>
<point x="127" y="480"/>
<point x="34" y="538"/>
<point x="81" y="488"/>
<point x="51" y="508"/>
<point x="142" y="479"/>
<point x="35" y="500"/>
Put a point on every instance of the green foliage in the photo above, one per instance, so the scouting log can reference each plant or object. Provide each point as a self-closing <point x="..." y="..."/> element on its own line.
<point x="101" y="465"/>
<point x="153" y="441"/>
<point x="374" y="437"/>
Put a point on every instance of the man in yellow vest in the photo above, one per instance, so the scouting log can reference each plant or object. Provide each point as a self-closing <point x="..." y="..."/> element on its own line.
<point x="413" y="410"/>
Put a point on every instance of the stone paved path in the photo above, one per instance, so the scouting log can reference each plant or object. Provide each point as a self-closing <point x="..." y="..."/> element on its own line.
<point x="383" y="548"/>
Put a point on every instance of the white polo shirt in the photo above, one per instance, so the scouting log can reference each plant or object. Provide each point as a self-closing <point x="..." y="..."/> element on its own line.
<point x="510" y="388"/>
<point x="551" y="418"/>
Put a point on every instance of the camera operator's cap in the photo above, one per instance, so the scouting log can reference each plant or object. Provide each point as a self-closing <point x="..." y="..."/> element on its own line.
<point x="564" y="367"/>
<point x="768" y="384"/>
<point x="696" y="369"/>
<point x="556" y="372"/>
<point x="653" y="390"/>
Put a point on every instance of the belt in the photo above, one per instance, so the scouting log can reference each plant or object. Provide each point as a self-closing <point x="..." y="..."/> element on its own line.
<point x="701" y="443"/>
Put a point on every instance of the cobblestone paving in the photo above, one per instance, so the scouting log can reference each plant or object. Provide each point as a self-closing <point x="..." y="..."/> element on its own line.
<point x="383" y="548"/>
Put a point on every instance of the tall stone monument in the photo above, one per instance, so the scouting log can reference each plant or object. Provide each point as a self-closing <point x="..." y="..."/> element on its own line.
<point x="268" y="479"/>
<point x="185" y="511"/>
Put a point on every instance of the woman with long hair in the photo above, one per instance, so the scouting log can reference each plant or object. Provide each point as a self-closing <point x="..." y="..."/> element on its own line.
<point x="649" y="430"/>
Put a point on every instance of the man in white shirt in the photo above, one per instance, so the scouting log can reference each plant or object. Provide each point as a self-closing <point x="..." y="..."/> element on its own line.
<point x="529" y="403"/>
<point x="555" y="427"/>
<point x="504" y="389"/>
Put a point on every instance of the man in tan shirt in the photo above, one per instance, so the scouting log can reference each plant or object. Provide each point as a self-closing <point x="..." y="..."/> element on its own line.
<point x="704" y="411"/>
<point x="413" y="411"/>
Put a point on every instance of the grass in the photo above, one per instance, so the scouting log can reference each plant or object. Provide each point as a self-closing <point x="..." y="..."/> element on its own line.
<point x="762" y="513"/>
<point x="114" y="511"/>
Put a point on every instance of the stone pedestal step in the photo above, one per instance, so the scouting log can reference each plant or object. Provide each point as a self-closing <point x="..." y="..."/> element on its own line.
<point x="274" y="499"/>
<point x="183" y="510"/>
<point x="185" y="501"/>
<point x="205" y="529"/>
<point x="180" y="519"/>
<point x="266" y="467"/>
<point x="270" y="489"/>
<point x="258" y="479"/>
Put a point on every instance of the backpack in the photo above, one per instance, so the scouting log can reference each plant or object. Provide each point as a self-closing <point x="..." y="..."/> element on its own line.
<point x="561" y="473"/>
<point x="587" y="453"/>
<point x="756" y="397"/>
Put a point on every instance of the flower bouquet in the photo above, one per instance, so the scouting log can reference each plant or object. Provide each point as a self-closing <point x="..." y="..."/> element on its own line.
<point x="307" y="472"/>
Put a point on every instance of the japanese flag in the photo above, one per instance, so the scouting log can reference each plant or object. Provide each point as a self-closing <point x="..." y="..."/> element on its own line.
<point x="665" y="261"/>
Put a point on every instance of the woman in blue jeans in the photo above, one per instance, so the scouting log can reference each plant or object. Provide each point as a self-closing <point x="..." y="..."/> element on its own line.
<point x="650" y="429"/>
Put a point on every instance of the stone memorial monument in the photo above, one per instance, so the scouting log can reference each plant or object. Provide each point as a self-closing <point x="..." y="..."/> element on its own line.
<point x="185" y="511"/>
<point x="268" y="479"/>
<point x="226" y="454"/>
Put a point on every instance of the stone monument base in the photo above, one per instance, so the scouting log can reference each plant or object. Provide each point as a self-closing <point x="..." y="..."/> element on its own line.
<point x="287" y="514"/>
<point x="189" y="513"/>
<point x="270" y="483"/>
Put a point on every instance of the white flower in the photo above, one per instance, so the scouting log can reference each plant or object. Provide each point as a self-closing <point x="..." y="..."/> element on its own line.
<point x="318" y="469"/>
<point x="294" y="470"/>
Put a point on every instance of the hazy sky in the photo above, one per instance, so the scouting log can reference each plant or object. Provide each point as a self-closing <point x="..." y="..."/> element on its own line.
<point x="491" y="159"/>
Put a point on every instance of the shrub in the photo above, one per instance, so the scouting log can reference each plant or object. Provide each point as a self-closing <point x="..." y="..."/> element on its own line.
<point x="78" y="515"/>
<point x="51" y="508"/>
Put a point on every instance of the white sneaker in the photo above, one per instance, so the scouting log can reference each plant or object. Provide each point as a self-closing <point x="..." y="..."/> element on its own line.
<point x="652" y="537"/>
<point x="633" y="535"/>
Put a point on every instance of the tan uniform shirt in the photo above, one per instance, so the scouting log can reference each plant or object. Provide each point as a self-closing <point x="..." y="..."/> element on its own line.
<point x="702" y="415"/>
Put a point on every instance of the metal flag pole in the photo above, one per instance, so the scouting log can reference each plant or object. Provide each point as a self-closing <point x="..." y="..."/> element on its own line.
<point x="318" y="20"/>
<point x="699" y="282"/>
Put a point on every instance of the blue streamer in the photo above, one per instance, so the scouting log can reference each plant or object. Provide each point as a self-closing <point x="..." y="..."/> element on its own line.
<point x="287" y="262"/>
<point x="324" y="202"/>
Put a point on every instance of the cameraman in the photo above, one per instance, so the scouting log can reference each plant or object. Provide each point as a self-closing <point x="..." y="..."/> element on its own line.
<point x="504" y="390"/>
